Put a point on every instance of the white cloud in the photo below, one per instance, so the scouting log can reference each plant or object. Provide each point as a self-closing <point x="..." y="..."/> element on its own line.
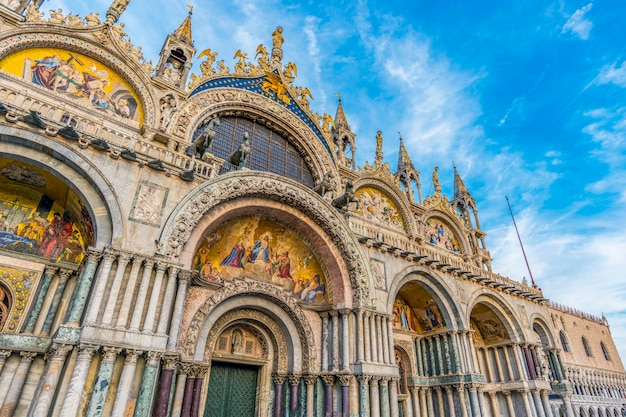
<point x="613" y="74"/>
<point x="577" y="24"/>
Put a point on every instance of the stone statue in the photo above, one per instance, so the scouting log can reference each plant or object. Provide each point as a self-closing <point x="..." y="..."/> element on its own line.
<point x="241" y="154"/>
<point x="436" y="183"/>
<point x="168" y="107"/>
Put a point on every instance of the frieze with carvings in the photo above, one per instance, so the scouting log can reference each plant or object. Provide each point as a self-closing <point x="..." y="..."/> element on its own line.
<point x="287" y="303"/>
<point x="232" y="186"/>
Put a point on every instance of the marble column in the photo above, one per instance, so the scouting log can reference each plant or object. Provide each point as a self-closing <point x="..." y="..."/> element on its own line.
<point x="101" y="284"/>
<point x="509" y="402"/>
<point x="379" y="339"/>
<point x="473" y="392"/>
<point x="462" y="399"/>
<point x="345" y="340"/>
<point x="179" y="393"/>
<point x="524" y="394"/>
<point x="79" y="377"/>
<point x="165" y="385"/>
<point x="124" y="385"/>
<point x="56" y="359"/>
<point x="567" y="401"/>
<point x="151" y="314"/>
<point x="440" y="405"/>
<point x="109" y="309"/>
<point x="364" y="399"/>
<point x="367" y="351"/>
<point x="183" y="280"/>
<point x="188" y="396"/>
<point x="455" y="351"/>
<point x="200" y="373"/>
<point x="429" y="402"/>
<point x="545" y="399"/>
<point x="4" y="354"/>
<point x="344" y="381"/>
<point x="48" y="273"/>
<point x="450" y="398"/>
<point x="142" y="293"/>
<point x="103" y="380"/>
<point x="359" y="336"/>
<point x="423" y="402"/>
<point x="329" y="382"/>
<point x="495" y="407"/>
<point x="64" y="275"/>
<point x="294" y="382"/>
<point x="17" y="384"/>
<point x="373" y="338"/>
<point x="481" y="401"/>
<point x="168" y="300"/>
<point x="146" y="390"/>
<point x="538" y="403"/>
<point x="393" y="397"/>
<point x="335" y="338"/>
<point x="279" y="380"/>
<point x="446" y="353"/>
<point x="84" y="286"/>
<point x="416" y="401"/>
<point x="374" y="397"/>
<point x="385" y="338"/>
<point x="439" y="357"/>
<point x="507" y="359"/>
<point x="392" y="357"/>
<point x="309" y="380"/>
<point x="519" y="360"/>
<point x="498" y="362"/>
<point x="127" y="301"/>
<point x="325" y="341"/>
<point x="419" y="361"/>
<point x="384" y="397"/>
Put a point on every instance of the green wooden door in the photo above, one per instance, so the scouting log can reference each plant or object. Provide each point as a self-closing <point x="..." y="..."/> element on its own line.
<point x="232" y="390"/>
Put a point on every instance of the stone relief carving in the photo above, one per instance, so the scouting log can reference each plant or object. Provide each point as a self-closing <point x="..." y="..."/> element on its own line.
<point x="288" y="304"/>
<point x="232" y="186"/>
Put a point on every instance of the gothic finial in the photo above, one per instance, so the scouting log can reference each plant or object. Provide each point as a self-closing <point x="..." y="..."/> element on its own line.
<point x="115" y="11"/>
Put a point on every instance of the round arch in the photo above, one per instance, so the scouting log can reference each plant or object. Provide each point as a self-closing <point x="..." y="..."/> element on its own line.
<point x="244" y="103"/>
<point x="268" y="301"/>
<point x="282" y="196"/>
<point x="540" y="326"/>
<point x="502" y="309"/>
<point x="435" y="286"/>
<point x="57" y="37"/>
<point x="78" y="172"/>
<point x="466" y="249"/>
<point x="395" y="195"/>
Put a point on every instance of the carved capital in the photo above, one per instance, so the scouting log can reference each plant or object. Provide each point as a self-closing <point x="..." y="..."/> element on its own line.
<point x="184" y="368"/>
<point x="132" y="355"/>
<point x="184" y="276"/>
<point x="51" y="270"/>
<point x="93" y="255"/>
<point x="173" y="270"/>
<point x="86" y="351"/>
<point x="4" y="353"/>
<point x="65" y="273"/>
<point x="110" y="353"/>
<point x="328" y="379"/>
<point x="59" y="350"/>
<point x="363" y="379"/>
<point x="345" y="379"/>
<point x="170" y="360"/>
<point x="279" y="379"/>
<point x="294" y="379"/>
<point x="28" y="356"/>
<point x="153" y="358"/>
<point x="310" y="379"/>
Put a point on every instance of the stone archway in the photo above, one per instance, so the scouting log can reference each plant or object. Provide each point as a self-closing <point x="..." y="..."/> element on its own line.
<point x="240" y="185"/>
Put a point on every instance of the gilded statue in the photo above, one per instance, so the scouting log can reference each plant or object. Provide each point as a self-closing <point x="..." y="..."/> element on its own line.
<point x="207" y="66"/>
<point x="240" y="66"/>
<point x="277" y="43"/>
<point x="262" y="59"/>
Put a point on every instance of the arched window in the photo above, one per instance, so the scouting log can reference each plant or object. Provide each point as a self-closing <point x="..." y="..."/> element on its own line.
<point x="564" y="342"/>
<point x="605" y="351"/>
<point x="587" y="348"/>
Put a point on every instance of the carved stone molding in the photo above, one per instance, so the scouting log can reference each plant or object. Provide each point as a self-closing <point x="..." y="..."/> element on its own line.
<point x="264" y="185"/>
<point x="288" y="304"/>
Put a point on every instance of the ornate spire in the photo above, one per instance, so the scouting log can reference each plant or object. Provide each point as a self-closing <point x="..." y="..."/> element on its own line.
<point x="404" y="161"/>
<point x="340" y="116"/>
<point x="459" y="187"/>
<point x="183" y="33"/>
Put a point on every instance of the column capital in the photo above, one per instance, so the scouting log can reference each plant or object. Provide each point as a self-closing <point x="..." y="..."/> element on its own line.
<point x="87" y="350"/>
<point x="294" y="379"/>
<point x="5" y="353"/>
<point x="161" y="266"/>
<point x="124" y="257"/>
<point x="345" y="311"/>
<point x="185" y="276"/>
<point x="65" y="273"/>
<point x="506" y="393"/>
<point x="110" y="353"/>
<point x="324" y="315"/>
<point x="344" y="379"/>
<point x="310" y="379"/>
<point x="28" y="356"/>
<point x="184" y="368"/>
<point x="132" y="355"/>
<point x="50" y="269"/>
<point x="279" y="379"/>
<point x="109" y="255"/>
<point x="333" y="313"/>
<point x="384" y="381"/>
<point x="363" y="379"/>
<point x="58" y="350"/>
<point x="153" y="358"/>
<point x="93" y="254"/>
<point x="148" y="263"/>
<point x="173" y="270"/>
<point x="374" y="379"/>
<point x="447" y="388"/>
<point x="414" y="389"/>
<point x="328" y="379"/>
<point x="170" y="360"/>
<point x="199" y="370"/>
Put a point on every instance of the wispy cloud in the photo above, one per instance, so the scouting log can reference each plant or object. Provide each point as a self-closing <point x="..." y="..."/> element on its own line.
<point x="577" y="24"/>
<point x="613" y="74"/>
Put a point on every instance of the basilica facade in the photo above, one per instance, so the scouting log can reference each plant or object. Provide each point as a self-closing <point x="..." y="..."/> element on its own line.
<point x="180" y="243"/>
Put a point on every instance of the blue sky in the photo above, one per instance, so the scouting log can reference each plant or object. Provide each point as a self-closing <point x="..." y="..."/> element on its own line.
<point x="527" y="98"/>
